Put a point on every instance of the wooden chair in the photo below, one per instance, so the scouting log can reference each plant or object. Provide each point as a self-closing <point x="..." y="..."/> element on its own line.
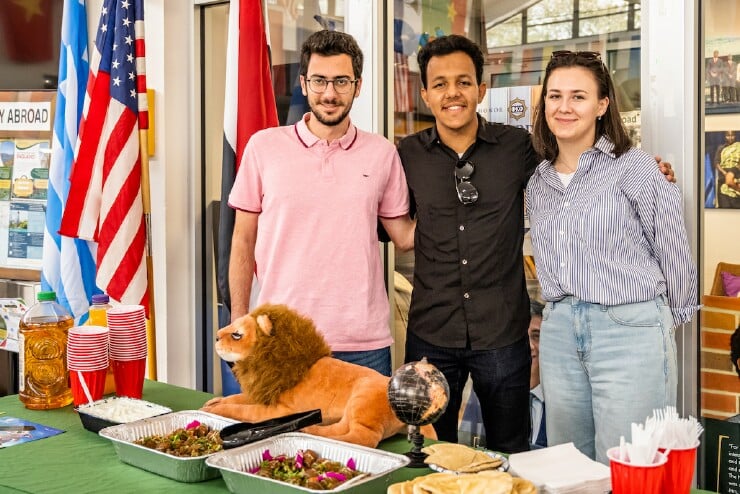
<point x="717" y="287"/>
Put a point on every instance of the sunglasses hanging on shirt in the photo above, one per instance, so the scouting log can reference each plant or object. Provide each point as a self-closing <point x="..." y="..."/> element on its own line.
<point x="466" y="191"/>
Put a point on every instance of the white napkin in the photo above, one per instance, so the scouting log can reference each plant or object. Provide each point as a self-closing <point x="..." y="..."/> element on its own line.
<point x="561" y="469"/>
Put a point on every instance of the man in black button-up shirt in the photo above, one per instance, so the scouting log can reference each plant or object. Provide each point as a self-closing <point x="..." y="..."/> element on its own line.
<point x="469" y="309"/>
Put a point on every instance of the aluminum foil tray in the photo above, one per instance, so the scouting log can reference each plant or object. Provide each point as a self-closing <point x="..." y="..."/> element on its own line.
<point x="117" y="410"/>
<point x="177" y="468"/>
<point x="234" y="464"/>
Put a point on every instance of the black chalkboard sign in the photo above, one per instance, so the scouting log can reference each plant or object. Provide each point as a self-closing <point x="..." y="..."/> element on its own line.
<point x="721" y="455"/>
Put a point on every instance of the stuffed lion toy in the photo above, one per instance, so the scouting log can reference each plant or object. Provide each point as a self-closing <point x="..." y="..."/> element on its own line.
<point x="284" y="366"/>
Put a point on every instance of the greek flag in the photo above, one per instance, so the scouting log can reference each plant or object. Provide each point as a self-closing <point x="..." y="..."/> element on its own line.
<point x="68" y="264"/>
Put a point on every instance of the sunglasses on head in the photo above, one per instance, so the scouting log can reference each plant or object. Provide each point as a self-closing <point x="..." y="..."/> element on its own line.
<point x="586" y="55"/>
<point x="466" y="191"/>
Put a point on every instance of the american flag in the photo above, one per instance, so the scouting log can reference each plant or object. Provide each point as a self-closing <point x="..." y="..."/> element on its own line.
<point x="68" y="265"/>
<point x="105" y="201"/>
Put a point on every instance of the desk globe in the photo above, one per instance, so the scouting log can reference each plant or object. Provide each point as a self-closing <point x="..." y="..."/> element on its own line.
<point x="418" y="393"/>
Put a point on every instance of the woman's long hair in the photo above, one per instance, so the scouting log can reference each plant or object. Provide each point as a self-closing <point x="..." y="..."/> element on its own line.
<point x="610" y="123"/>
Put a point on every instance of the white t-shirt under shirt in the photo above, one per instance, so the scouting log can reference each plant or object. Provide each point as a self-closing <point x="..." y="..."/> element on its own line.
<point x="566" y="178"/>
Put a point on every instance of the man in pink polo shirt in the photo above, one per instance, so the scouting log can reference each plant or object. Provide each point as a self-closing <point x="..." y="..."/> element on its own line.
<point x="308" y="197"/>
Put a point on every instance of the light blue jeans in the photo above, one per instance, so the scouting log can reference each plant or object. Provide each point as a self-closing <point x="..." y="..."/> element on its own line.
<point x="604" y="367"/>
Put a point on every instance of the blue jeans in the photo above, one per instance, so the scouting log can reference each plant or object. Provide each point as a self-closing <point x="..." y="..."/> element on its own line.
<point x="604" y="367"/>
<point x="379" y="359"/>
<point x="501" y="381"/>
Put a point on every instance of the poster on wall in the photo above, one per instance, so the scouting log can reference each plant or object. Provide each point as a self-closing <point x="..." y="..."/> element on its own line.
<point x="722" y="169"/>
<point x="26" y="119"/>
<point x="631" y="120"/>
<point x="722" y="58"/>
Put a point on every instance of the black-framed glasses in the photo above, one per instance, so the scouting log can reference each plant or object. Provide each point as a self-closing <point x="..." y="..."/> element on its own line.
<point x="466" y="191"/>
<point x="342" y="85"/>
<point x="587" y="55"/>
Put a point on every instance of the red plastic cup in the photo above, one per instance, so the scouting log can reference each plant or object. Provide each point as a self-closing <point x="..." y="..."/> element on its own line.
<point x="94" y="381"/>
<point x="679" y="470"/>
<point x="630" y="479"/>
<point x="129" y="377"/>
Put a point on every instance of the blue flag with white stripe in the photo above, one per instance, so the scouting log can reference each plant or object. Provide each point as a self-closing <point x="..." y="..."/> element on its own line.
<point x="68" y="264"/>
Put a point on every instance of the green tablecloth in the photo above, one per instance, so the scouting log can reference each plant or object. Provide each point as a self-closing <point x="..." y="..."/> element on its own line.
<point x="80" y="461"/>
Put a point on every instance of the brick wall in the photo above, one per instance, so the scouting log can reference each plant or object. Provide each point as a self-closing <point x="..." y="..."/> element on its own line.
<point x="720" y="384"/>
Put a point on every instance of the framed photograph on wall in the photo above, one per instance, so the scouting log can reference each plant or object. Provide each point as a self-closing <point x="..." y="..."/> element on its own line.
<point x="722" y="58"/>
<point x="722" y="169"/>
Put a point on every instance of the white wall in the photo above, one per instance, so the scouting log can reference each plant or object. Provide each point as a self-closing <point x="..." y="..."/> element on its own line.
<point x="721" y="241"/>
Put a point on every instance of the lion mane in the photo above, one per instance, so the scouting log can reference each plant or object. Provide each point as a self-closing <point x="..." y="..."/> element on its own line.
<point x="279" y="361"/>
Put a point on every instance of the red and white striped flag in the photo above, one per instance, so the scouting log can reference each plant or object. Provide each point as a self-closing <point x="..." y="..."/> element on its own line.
<point x="402" y="95"/>
<point x="249" y="106"/>
<point x="105" y="200"/>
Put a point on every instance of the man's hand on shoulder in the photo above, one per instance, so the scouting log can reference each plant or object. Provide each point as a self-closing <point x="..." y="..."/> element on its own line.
<point x="666" y="169"/>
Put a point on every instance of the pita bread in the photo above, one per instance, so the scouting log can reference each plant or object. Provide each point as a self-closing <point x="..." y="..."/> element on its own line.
<point x="438" y="485"/>
<point x="485" y="483"/>
<point x="460" y="458"/>
<point x="397" y="488"/>
<point x="489" y="482"/>
<point x="523" y="486"/>
<point x="454" y="456"/>
<point x="481" y="466"/>
<point x="407" y="487"/>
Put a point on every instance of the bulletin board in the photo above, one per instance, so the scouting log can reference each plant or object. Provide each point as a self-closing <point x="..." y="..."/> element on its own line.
<point x="26" y="124"/>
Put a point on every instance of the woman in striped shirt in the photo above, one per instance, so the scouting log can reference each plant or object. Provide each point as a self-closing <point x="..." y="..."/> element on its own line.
<point x="613" y="259"/>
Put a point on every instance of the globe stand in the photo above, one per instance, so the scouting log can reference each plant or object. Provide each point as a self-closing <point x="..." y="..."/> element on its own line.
<point x="416" y="455"/>
<point x="418" y="394"/>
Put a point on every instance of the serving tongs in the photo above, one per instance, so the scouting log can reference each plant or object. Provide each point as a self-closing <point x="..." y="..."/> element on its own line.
<point x="242" y="433"/>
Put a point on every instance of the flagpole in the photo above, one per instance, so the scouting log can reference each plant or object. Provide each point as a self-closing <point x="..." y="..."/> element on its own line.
<point x="151" y="333"/>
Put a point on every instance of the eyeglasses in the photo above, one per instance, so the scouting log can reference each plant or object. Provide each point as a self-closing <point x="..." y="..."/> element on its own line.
<point x="342" y="85"/>
<point x="466" y="192"/>
<point x="587" y="55"/>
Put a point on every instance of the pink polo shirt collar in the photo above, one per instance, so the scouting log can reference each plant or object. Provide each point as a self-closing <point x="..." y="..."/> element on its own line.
<point x="308" y="138"/>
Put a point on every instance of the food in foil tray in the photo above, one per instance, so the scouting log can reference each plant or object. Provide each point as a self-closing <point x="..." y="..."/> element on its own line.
<point x="370" y="469"/>
<point x="306" y="469"/>
<point x="195" y="439"/>
<point x="186" y="432"/>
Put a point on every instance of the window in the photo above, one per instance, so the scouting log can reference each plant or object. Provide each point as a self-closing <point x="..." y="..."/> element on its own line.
<point x="507" y="33"/>
<point x="552" y="20"/>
